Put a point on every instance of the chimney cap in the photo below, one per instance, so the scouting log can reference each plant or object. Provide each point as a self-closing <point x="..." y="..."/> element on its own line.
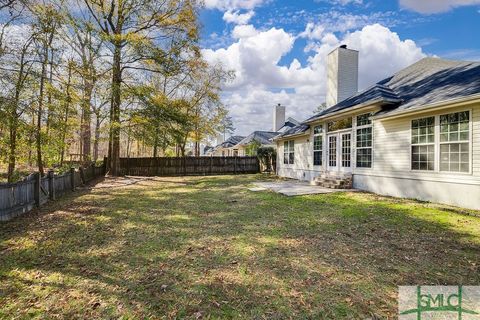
<point x="343" y="46"/>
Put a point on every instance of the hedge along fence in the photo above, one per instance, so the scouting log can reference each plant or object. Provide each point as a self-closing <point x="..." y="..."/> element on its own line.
<point x="183" y="166"/>
<point x="21" y="197"/>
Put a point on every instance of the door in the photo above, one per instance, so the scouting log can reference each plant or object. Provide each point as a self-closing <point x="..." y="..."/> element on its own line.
<point x="346" y="152"/>
<point x="332" y="164"/>
<point x="339" y="152"/>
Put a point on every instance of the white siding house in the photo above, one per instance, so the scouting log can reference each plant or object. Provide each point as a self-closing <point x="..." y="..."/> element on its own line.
<point x="415" y="135"/>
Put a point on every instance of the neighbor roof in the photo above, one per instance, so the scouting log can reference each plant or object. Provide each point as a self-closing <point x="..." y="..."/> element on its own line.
<point x="230" y="142"/>
<point x="262" y="137"/>
<point x="428" y="81"/>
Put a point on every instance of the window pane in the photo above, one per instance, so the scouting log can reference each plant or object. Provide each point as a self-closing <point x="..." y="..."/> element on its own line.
<point x="317" y="129"/>
<point x="339" y="125"/>
<point x="317" y="158"/>
<point x="364" y="158"/>
<point x="364" y="119"/>
<point x="346" y="150"/>
<point x="455" y="157"/>
<point x="423" y="157"/>
<point x="423" y="130"/>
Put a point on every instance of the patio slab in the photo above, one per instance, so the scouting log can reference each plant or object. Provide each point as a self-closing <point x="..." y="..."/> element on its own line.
<point x="293" y="188"/>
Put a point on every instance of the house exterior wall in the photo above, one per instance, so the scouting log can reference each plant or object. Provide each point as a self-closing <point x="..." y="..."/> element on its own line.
<point x="391" y="172"/>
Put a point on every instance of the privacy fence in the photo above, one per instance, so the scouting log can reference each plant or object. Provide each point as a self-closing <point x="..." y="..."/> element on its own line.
<point x="183" y="166"/>
<point x="21" y="197"/>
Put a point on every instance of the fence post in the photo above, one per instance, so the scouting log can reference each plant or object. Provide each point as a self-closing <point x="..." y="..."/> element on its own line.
<point x="82" y="174"/>
<point x="72" y="178"/>
<point x="235" y="165"/>
<point x="51" y="185"/>
<point x="211" y="164"/>
<point x="36" y="188"/>
<point x="92" y="167"/>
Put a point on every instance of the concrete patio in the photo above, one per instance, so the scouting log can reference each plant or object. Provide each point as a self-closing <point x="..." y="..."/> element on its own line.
<point x="293" y="188"/>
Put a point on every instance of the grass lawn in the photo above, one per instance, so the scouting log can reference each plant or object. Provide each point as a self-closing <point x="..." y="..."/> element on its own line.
<point x="206" y="247"/>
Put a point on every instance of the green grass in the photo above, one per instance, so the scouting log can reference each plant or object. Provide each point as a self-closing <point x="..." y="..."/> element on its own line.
<point x="206" y="247"/>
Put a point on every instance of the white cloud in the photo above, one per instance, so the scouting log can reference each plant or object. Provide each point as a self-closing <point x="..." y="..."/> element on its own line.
<point x="263" y="81"/>
<point x="233" y="4"/>
<point x="435" y="6"/>
<point x="236" y="17"/>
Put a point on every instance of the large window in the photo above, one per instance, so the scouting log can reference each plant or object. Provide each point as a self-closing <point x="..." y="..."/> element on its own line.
<point x="455" y="142"/>
<point x="364" y="141"/>
<point x="317" y="145"/>
<point x="339" y="125"/>
<point x="423" y="144"/>
<point x="288" y="152"/>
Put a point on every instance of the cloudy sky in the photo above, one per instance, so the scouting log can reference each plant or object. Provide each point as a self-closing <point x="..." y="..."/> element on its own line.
<point x="278" y="48"/>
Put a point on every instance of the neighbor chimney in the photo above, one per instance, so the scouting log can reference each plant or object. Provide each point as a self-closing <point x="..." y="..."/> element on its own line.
<point x="278" y="117"/>
<point x="219" y="139"/>
<point x="342" y="75"/>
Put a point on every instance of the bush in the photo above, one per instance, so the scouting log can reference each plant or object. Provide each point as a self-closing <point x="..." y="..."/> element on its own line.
<point x="266" y="156"/>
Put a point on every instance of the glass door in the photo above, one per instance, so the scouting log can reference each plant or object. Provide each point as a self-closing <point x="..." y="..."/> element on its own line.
<point x="346" y="151"/>
<point x="332" y="152"/>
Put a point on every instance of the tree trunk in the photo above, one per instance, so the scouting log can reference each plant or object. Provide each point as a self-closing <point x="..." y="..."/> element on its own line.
<point x="86" y="132"/>
<point x="67" y="111"/>
<point x="114" y="145"/>
<point x="40" y="112"/>
<point x="97" y="138"/>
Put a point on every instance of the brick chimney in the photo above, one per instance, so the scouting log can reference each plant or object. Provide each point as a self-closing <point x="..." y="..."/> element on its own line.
<point x="278" y="117"/>
<point x="342" y="75"/>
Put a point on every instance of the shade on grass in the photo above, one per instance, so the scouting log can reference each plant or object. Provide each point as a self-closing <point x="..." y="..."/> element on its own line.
<point x="206" y="247"/>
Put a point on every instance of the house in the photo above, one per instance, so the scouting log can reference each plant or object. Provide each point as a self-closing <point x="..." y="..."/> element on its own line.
<point x="239" y="146"/>
<point x="225" y="148"/>
<point x="257" y="138"/>
<point x="265" y="138"/>
<point x="415" y="134"/>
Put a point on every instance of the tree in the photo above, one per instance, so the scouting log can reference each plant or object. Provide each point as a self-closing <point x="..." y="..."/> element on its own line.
<point x="320" y="108"/>
<point x="226" y="125"/>
<point x="136" y="31"/>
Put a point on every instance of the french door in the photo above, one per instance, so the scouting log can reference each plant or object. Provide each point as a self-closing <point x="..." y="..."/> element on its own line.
<point x="339" y="151"/>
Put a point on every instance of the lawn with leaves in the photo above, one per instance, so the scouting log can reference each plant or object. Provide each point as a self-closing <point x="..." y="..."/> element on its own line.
<point x="207" y="248"/>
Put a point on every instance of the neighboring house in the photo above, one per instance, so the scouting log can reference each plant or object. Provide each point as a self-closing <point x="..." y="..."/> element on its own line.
<point x="265" y="138"/>
<point x="415" y="134"/>
<point x="259" y="138"/>
<point x="225" y="149"/>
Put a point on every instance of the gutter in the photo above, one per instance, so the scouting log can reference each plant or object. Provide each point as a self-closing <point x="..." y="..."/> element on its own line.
<point x="440" y="105"/>
<point x="299" y="134"/>
<point x="359" y="106"/>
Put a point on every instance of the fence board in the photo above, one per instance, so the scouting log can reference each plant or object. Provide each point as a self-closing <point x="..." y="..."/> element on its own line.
<point x="181" y="166"/>
<point x="19" y="198"/>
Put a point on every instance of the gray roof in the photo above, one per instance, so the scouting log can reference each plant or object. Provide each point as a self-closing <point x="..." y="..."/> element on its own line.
<point x="430" y="80"/>
<point x="262" y="137"/>
<point x="230" y="142"/>
<point x="301" y="128"/>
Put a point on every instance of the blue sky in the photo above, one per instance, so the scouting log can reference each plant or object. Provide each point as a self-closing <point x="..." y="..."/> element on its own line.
<point x="277" y="48"/>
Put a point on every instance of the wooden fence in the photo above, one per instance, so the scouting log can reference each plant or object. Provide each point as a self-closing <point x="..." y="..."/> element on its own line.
<point x="183" y="166"/>
<point x="21" y="197"/>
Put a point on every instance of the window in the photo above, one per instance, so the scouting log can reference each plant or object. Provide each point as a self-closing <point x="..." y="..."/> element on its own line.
<point x="288" y="152"/>
<point x="423" y="144"/>
<point x="346" y="150"/>
<point x="332" y="151"/>
<point x="339" y="125"/>
<point x="317" y="145"/>
<point x="455" y="142"/>
<point x="364" y="141"/>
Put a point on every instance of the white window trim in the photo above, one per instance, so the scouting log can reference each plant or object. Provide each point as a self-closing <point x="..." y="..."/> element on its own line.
<point x="354" y="154"/>
<point x="313" y="146"/>
<point x="437" y="144"/>
<point x="434" y="144"/>
<point x="288" y="152"/>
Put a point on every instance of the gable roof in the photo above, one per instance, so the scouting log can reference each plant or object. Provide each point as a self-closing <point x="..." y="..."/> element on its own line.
<point x="430" y="80"/>
<point x="262" y="137"/>
<point x="230" y="142"/>
<point x="289" y="123"/>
